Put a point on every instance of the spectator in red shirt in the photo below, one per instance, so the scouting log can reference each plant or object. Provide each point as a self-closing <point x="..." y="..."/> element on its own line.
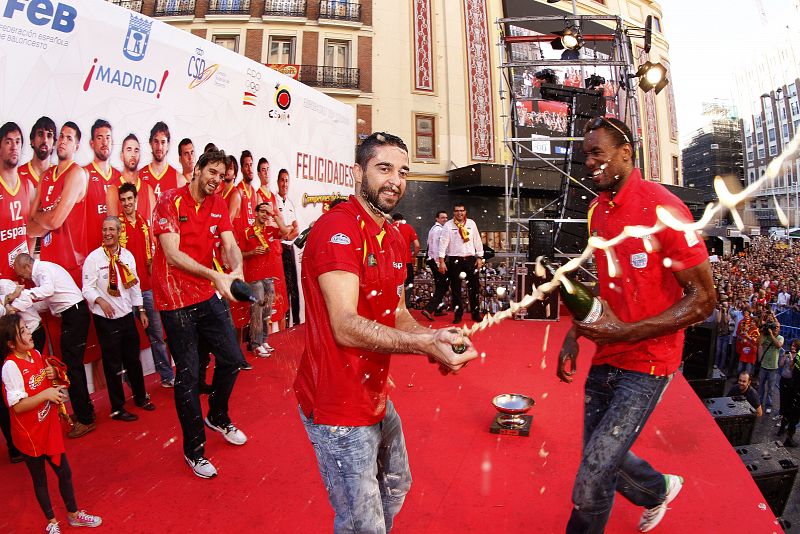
<point x="653" y="293"/>
<point x="411" y="241"/>
<point x="188" y="222"/>
<point x="352" y="277"/>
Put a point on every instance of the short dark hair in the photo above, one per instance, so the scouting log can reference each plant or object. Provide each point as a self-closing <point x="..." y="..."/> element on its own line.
<point x="185" y="141"/>
<point x="366" y="150"/>
<point x="130" y="137"/>
<point x="9" y="330"/>
<point x="43" y="123"/>
<point x="9" y="127"/>
<point x="459" y="205"/>
<point x="245" y="154"/>
<point x="258" y="206"/>
<point x="159" y="127"/>
<point x="127" y="188"/>
<point x="617" y="129"/>
<point x="283" y="171"/>
<point x="261" y="161"/>
<point x="397" y="217"/>
<point x="212" y="156"/>
<point x="70" y="124"/>
<point x="440" y="212"/>
<point x="233" y="163"/>
<point x="100" y="123"/>
<point x="210" y="146"/>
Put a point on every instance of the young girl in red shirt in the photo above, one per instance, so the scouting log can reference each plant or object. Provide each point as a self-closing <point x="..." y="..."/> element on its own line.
<point x="33" y="408"/>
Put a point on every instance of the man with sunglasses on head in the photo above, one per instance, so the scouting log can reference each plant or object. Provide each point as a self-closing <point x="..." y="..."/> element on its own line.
<point x="659" y="285"/>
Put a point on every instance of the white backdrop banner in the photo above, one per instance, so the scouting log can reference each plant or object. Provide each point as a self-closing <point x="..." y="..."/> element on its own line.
<point x="81" y="60"/>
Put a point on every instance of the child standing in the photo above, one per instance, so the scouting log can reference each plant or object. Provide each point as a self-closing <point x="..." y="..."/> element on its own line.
<point x="36" y="431"/>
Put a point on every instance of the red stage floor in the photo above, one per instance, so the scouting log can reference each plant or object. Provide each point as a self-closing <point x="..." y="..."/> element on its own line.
<point x="465" y="479"/>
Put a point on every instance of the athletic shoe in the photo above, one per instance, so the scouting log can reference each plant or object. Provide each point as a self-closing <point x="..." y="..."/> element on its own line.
<point x="653" y="516"/>
<point x="201" y="467"/>
<point x="53" y="528"/>
<point x="229" y="432"/>
<point x="168" y="383"/>
<point x="246" y="366"/>
<point x="769" y="410"/>
<point x="82" y="519"/>
<point x="266" y="347"/>
<point x="261" y="352"/>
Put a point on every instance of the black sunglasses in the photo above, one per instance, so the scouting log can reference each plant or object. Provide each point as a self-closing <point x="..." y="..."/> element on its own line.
<point x="598" y="123"/>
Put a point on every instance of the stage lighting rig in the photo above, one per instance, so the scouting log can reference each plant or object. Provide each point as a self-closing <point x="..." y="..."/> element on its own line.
<point x="594" y="82"/>
<point x="651" y="76"/>
<point x="546" y="76"/>
<point x="569" y="38"/>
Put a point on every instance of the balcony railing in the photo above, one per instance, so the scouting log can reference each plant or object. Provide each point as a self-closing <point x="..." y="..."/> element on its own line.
<point x="331" y="77"/>
<point x="229" y="7"/>
<point x="133" y="5"/>
<point x="285" y="8"/>
<point x="338" y="10"/>
<point x="174" y="8"/>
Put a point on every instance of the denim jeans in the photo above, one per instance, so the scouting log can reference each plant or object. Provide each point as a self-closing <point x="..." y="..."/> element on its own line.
<point x="263" y="290"/>
<point x="209" y="321"/>
<point x="721" y="358"/>
<point x="156" y="335"/>
<point x="617" y="406"/>
<point x="365" y="471"/>
<point x="766" y="380"/>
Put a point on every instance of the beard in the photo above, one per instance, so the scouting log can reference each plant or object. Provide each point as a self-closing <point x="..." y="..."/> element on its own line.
<point x="43" y="152"/>
<point x="372" y="196"/>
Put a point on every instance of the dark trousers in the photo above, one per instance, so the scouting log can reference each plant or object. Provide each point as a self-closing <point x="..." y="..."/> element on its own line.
<point x="409" y="285"/>
<point x="39" y="476"/>
<point x="440" y="285"/>
<point x="455" y="266"/>
<point x="185" y="327"/>
<point x="119" y="345"/>
<point x="74" y="329"/>
<point x="290" y="275"/>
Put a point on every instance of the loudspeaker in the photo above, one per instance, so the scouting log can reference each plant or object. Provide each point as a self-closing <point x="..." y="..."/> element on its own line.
<point x="541" y="310"/>
<point x="773" y="469"/>
<point x="698" y="351"/>
<point x="735" y="417"/>
<point x="540" y="239"/>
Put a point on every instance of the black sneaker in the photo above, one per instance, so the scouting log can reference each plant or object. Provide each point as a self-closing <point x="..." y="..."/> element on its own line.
<point x="246" y="366"/>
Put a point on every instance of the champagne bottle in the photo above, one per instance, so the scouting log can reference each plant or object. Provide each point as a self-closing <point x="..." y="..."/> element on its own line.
<point x="300" y="241"/>
<point x="581" y="303"/>
<point x="241" y="291"/>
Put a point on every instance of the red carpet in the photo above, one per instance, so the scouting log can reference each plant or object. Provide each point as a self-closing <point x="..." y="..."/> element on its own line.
<point x="466" y="480"/>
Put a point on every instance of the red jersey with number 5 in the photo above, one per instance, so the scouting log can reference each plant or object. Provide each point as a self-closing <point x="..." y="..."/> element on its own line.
<point x="165" y="181"/>
<point x="14" y="206"/>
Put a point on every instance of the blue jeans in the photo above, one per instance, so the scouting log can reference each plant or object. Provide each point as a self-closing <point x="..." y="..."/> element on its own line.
<point x="617" y="406"/>
<point x="209" y="321"/>
<point x="156" y="334"/>
<point x="365" y="471"/>
<point x="766" y="381"/>
<point x="721" y="357"/>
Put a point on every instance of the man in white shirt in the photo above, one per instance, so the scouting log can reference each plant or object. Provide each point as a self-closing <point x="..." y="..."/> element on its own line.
<point x="286" y="207"/>
<point x="460" y="242"/>
<point x="784" y="297"/>
<point x="57" y="289"/>
<point x="434" y="306"/>
<point x="111" y="287"/>
<point x="13" y="302"/>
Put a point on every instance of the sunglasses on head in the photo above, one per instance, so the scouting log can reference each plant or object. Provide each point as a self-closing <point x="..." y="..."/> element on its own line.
<point x="598" y="123"/>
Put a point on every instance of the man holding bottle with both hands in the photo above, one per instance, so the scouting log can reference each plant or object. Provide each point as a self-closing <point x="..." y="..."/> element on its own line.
<point x="657" y="292"/>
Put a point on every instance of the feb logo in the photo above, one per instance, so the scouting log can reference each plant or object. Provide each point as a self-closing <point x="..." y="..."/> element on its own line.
<point x="137" y="38"/>
<point x="283" y="99"/>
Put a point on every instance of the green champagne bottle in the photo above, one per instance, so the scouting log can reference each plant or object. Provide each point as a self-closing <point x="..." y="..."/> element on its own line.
<point x="300" y="241"/>
<point x="581" y="303"/>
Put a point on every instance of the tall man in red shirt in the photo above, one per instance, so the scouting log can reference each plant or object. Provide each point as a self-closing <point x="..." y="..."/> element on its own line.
<point x="101" y="176"/>
<point x="58" y="214"/>
<point x="411" y="241"/>
<point x="137" y="237"/>
<point x="159" y="174"/>
<point x="656" y="292"/>
<point x="15" y="200"/>
<point x="352" y="279"/>
<point x="188" y="223"/>
<point x="43" y="139"/>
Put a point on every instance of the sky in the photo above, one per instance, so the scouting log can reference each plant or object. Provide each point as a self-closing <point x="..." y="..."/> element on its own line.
<point x="711" y="39"/>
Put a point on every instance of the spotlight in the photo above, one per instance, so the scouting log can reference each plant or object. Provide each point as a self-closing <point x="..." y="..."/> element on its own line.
<point x="652" y="76"/>
<point x="594" y="82"/>
<point x="571" y="38"/>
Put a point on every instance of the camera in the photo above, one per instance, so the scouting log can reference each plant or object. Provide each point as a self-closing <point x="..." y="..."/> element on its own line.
<point x="767" y="327"/>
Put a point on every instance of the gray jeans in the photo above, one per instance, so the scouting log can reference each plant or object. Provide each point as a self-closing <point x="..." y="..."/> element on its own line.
<point x="261" y="311"/>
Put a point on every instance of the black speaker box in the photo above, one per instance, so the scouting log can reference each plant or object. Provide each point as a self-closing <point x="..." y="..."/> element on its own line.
<point x="735" y="417"/>
<point x="707" y="388"/>
<point x="540" y="239"/>
<point x="773" y="469"/>
<point x="698" y="351"/>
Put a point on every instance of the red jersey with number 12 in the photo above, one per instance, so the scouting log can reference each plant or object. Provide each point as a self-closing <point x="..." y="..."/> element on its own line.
<point x="165" y="181"/>
<point x="96" y="206"/>
<point x="14" y="206"/>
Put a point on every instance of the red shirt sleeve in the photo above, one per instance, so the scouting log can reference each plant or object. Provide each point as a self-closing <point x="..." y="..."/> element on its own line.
<point x="335" y="244"/>
<point x="684" y="249"/>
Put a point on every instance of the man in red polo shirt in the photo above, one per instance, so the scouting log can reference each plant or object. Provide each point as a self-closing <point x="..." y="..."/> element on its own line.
<point x="188" y="222"/>
<point x="411" y="241"/>
<point x="658" y="285"/>
<point x="352" y="275"/>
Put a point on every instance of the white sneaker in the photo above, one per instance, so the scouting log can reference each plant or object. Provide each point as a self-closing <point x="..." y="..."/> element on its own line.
<point x="84" y="519"/>
<point x="229" y="432"/>
<point x="261" y="352"/>
<point x="769" y="410"/>
<point x="202" y="467"/>
<point x="266" y="347"/>
<point x="653" y="516"/>
<point x="53" y="528"/>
